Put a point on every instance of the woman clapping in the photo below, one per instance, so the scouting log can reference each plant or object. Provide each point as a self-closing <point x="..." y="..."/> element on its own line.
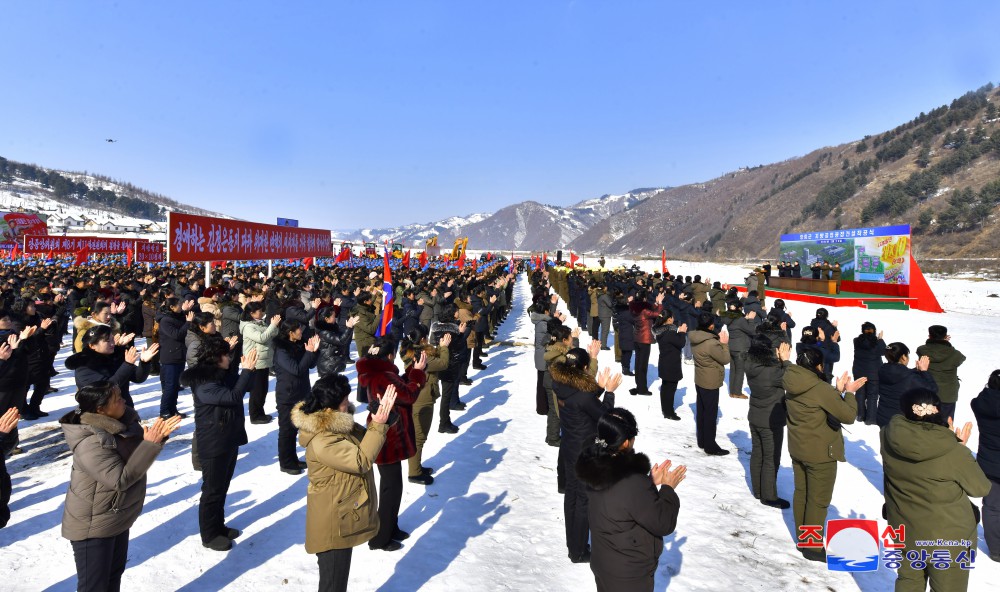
<point x="107" y="487"/>
<point x="341" y="504"/>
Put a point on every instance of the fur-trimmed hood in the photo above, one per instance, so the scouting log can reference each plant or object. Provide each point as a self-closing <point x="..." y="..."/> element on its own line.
<point x="324" y="420"/>
<point x="202" y="373"/>
<point x="78" y="426"/>
<point x="578" y="380"/>
<point x="602" y="472"/>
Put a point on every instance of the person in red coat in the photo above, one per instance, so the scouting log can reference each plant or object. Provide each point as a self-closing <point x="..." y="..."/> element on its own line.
<point x="644" y="313"/>
<point x="376" y="371"/>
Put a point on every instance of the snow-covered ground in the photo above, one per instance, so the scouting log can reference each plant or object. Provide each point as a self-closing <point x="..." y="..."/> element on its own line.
<point x="493" y="519"/>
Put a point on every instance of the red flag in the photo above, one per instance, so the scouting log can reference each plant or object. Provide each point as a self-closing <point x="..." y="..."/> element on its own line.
<point x="16" y="251"/>
<point x="406" y="258"/>
<point x="128" y="257"/>
<point x="423" y="259"/>
<point x="51" y="255"/>
<point x="388" y="300"/>
<point x="82" y="255"/>
<point x="307" y="263"/>
<point x="545" y="258"/>
<point x="218" y="264"/>
<point x="344" y="255"/>
<point x="461" y="260"/>
<point x="573" y="259"/>
<point x="663" y="261"/>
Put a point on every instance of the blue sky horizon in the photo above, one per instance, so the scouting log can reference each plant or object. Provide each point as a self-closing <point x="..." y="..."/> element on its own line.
<point x="353" y="114"/>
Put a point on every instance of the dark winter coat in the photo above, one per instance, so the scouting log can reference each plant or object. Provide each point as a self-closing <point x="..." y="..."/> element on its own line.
<point x="90" y="367"/>
<point x="107" y="484"/>
<point x="334" y="348"/>
<point x="929" y="477"/>
<point x="987" y="409"/>
<point x="869" y="352"/>
<point x="411" y="315"/>
<point x="580" y="406"/>
<point x="13" y="374"/>
<point x="173" y="330"/>
<point x="783" y="317"/>
<point x="219" y="421"/>
<point x="628" y="518"/>
<point x="945" y="360"/>
<point x="376" y="375"/>
<point x="752" y="303"/>
<point x="291" y="370"/>
<point x="624" y="324"/>
<point x="829" y="349"/>
<point x="670" y="344"/>
<point x="741" y="331"/>
<point x="231" y="315"/>
<point x="893" y="381"/>
<point x="765" y="375"/>
<point x="605" y="306"/>
<point x="541" y="323"/>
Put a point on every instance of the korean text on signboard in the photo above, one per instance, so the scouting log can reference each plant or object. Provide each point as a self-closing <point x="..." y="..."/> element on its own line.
<point x="878" y="254"/>
<point x="72" y="244"/>
<point x="202" y="238"/>
<point x="149" y="253"/>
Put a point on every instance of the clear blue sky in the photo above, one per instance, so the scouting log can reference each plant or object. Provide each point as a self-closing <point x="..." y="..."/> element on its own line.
<point x="349" y="114"/>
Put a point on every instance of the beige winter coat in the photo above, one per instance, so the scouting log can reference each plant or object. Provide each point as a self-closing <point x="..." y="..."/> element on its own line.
<point x="341" y="502"/>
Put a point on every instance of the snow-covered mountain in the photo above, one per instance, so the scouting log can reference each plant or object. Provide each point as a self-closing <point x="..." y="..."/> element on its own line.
<point x="525" y="225"/>
<point x="412" y="234"/>
<point x="71" y="199"/>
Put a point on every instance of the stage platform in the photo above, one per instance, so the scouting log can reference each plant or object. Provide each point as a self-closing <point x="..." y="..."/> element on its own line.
<point x="856" y="299"/>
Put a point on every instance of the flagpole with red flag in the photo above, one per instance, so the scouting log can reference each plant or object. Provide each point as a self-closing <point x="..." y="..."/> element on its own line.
<point x="663" y="261"/>
<point x="388" y="302"/>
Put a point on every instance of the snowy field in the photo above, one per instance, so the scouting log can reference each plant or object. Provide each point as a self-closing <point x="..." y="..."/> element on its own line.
<point x="493" y="519"/>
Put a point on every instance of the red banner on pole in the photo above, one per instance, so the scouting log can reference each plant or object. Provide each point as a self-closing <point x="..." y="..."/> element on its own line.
<point x="202" y="238"/>
<point x="73" y="244"/>
<point x="149" y="252"/>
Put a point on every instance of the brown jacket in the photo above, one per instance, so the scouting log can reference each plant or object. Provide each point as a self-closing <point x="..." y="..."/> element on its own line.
<point x="710" y="359"/>
<point x="437" y="361"/>
<point x="465" y="316"/>
<point x="107" y="485"/>
<point x="341" y="501"/>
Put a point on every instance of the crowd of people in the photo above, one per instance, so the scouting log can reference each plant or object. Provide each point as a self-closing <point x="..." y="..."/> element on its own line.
<point x="226" y="340"/>
<point x="793" y="386"/>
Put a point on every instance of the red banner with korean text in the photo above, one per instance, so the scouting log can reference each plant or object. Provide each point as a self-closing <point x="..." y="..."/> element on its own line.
<point x="72" y="244"/>
<point x="202" y="238"/>
<point x="146" y="252"/>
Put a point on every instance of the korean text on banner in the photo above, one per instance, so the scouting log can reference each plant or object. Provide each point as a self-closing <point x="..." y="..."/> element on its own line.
<point x="202" y="238"/>
<point x="72" y="244"/>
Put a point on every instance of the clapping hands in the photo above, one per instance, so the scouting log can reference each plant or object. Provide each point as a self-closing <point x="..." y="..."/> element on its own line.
<point x="607" y="381"/>
<point x="662" y="475"/>
<point x="161" y="429"/>
<point x="386" y="402"/>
